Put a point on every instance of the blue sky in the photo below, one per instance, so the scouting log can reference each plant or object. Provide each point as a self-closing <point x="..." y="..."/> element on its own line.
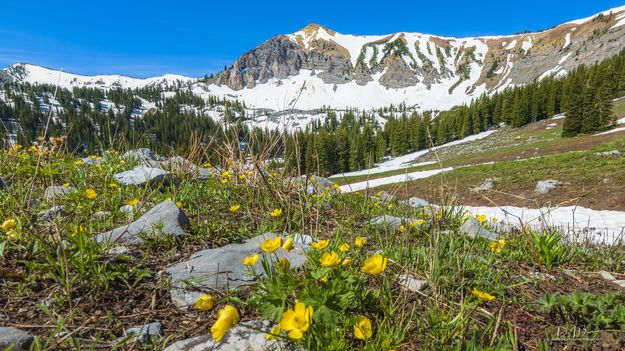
<point x="153" y="37"/>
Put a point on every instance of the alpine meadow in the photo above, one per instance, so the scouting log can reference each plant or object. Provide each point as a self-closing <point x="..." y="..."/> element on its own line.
<point x="322" y="191"/>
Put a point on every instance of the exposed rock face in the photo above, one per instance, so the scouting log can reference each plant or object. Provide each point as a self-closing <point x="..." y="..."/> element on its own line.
<point x="278" y="57"/>
<point x="164" y="219"/>
<point x="414" y="59"/>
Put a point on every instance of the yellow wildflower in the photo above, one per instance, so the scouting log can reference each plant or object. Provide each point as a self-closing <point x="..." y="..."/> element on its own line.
<point x="374" y="265"/>
<point x="66" y="185"/>
<point x="250" y="260"/>
<point x="271" y="245"/>
<point x="497" y="246"/>
<point x="8" y="224"/>
<point x="113" y="185"/>
<point x="204" y="302"/>
<point x="481" y="218"/>
<point x="78" y="162"/>
<point x="227" y="317"/>
<point x="402" y="228"/>
<point x="277" y="212"/>
<point x="390" y="206"/>
<point x="297" y="321"/>
<point x="330" y="259"/>
<point x="347" y="262"/>
<point x="288" y="244"/>
<point x="133" y="202"/>
<point x="321" y="244"/>
<point x="344" y="247"/>
<point x="224" y="180"/>
<point x="235" y="208"/>
<point x="179" y="204"/>
<point x="273" y="333"/>
<point x="413" y="224"/>
<point x="91" y="194"/>
<point x="12" y="235"/>
<point x="482" y="296"/>
<point x="363" y="329"/>
<point x="360" y="241"/>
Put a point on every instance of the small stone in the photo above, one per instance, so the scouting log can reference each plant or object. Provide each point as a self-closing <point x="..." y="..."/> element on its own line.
<point x="385" y="197"/>
<point x="148" y="333"/>
<point x="50" y="214"/>
<point x="163" y="219"/>
<point x="14" y="339"/>
<point x="541" y="276"/>
<point x="473" y="228"/>
<point x="411" y="283"/>
<point x="56" y="191"/>
<point x="606" y="276"/>
<point x="487" y="185"/>
<point x="183" y="298"/>
<point x="391" y="221"/>
<point x="101" y="214"/>
<point x="121" y="250"/>
<point x="545" y="186"/>
<point x="569" y="273"/>
<point x="142" y="175"/>
<point x="317" y="184"/>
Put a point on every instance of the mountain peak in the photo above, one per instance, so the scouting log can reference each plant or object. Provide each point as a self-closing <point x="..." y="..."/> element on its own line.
<point x="313" y="28"/>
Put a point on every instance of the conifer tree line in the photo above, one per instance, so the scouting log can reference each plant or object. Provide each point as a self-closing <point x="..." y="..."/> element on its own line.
<point x="91" y="127"/>
<point x="352" y="141"/>
<point x="585" y="95"/>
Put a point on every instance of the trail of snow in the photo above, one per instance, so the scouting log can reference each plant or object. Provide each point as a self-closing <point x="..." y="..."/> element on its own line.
<point x="615" y="130"/>
<point x="404" y="161"/>
<point x="567" y="41"/>
<point x="580" y="223"/>
<point x="349" y="188"/>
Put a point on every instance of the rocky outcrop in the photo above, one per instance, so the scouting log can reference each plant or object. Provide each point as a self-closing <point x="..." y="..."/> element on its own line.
<point x="14" y="339"/>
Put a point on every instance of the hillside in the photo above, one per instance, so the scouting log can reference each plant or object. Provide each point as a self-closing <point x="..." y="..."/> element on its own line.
<point x="231" y="257"/>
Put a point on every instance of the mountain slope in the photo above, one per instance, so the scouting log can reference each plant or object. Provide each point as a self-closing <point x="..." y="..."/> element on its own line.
<point x="22" y="73"/>
<point x="323" y="67"/>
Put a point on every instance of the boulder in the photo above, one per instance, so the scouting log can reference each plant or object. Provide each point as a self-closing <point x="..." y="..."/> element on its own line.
<point x="142" y="175"/>
<point x="238" y="338"/>
<point x="163" y="219"/>
<point x="56" y="191"/>
<point x="417" y="202"/>
<point x="474" y="228"/>
<point x="148" y="333"/>
<point x="14" y="339"/>
<point x="606" y="276"/>
<point x="317" y="184"/>
<point x="545" y="186"/>
<point x="385" y="197"/>
<point x="221" y="268"/>
<point x="50" y="214"/>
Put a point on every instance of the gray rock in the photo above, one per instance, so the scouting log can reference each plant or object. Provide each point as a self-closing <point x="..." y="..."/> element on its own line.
<point x="487" y="185"/>
<point x="385" y="197"/>
<point x="90" y="161"/>
<point x="411" y="283"/>
<point x="473" y="228"/>
<point x="541" y="276"/>
<point x="545" y="186"/>
<point x="101" y="214"/>
<point x="620" y="283"/>
<point x="221" y="268"/>
<point x="417" y="202"/>
<point x="14" y="339"/>
<point x="609" y="153"/>
<point x="121" y="250"/>
<point x="142" y="175"/>
<point x="317" y="184"/>
<point x="238" y="338"/>
<point x="163" y="219"/>
<point x="147" y="333"/>
<point x="50" y="214"/>
<point x="606" y="276"/>
<point x="142" y="154"/>
<point x="391" y="221"/>
<point x="53" y="192"/>
<point x="127" y="209"/>
<point x="183" y="298"/>
<point x="205" y="173"/>
<point x="569" y="273"/>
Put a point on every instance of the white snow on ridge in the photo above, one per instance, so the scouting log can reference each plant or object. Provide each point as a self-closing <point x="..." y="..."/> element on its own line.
<point x="42" y="75"/>
<point x="567" y="41"/>
<point x="615" y="130"/>
<point x="606" y="12"/>
<point x="601" y="227"/>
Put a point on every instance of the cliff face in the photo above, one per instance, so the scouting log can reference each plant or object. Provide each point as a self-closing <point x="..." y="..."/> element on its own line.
<point x="404" y="60"/>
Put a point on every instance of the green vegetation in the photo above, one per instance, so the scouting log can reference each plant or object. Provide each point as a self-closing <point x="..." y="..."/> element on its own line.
<point x="52" y="272"/>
